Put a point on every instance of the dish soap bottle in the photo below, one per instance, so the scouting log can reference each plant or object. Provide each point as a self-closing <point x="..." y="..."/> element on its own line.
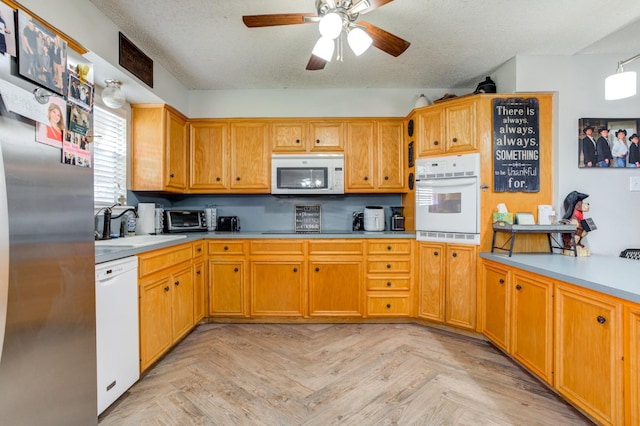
<point x="131" y="225"/>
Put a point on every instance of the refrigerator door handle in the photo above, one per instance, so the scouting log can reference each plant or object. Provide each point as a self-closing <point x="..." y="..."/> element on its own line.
<point x="4" y="253"/>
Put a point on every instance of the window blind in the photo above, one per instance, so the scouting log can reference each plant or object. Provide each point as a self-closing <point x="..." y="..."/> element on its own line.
<point x="109" y="158"/>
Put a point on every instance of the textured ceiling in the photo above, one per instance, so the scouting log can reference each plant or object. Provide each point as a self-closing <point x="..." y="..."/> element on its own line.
<point x="454" y="43"/>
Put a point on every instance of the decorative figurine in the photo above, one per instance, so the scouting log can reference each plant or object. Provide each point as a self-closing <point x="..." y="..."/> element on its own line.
<point x="574" y="208"/>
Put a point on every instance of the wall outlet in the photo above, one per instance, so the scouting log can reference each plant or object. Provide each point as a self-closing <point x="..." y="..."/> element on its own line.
<point x="634" y="183"/>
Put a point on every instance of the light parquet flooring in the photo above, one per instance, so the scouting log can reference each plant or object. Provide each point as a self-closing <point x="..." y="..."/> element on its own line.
<point x="336" y="374"/>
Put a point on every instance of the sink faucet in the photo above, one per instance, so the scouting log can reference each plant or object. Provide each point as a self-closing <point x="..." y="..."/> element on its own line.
<point x="108" y="211"/>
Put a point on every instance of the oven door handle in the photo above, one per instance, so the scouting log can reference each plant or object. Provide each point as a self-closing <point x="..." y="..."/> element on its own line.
<point x="442" y="183"/>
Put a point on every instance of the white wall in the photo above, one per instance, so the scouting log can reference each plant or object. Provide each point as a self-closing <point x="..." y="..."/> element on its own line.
<point x="579" y="83"/>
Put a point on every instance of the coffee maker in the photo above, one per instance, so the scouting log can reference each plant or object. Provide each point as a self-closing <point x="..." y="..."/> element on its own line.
<point x="397" y="218"/>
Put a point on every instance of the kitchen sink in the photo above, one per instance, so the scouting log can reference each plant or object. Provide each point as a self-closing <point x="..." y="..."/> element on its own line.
<point x="138" y="240"/>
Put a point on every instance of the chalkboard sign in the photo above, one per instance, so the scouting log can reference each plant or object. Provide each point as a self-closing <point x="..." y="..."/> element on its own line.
<point x="516" y="145"/>
<point x="307" y="218"/>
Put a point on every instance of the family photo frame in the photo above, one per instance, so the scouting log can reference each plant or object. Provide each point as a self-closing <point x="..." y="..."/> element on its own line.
<point x="42" y="54"/>
<point x="608" y="143"/>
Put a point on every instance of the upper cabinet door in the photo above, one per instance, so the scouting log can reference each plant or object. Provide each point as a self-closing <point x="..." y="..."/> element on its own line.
<point x="176" y="161"/>
<point x="250" y="157"/>
<point x="390" y="156"/>
<point x="359" y="164"/>
<point x="289" y="136"/>
<point x="326" y="136"/>
<point x="208" y="155"/>
<point x="461" y="127"/>
<point x="430" y="131"/>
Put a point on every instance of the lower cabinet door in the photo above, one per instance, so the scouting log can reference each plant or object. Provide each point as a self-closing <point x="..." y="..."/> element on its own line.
<point x="588" y="361"/>
<point x="532" y="324"/>
<point x="633" y="370"/>
<point x="336" y="288"/>
<point x="460" y="294"/>
<point x="155" y="319"/>
<point x="227" y="295"/>
<point x="495" y="312"/>
<point x="277" y="288"/>
<point x="182" y="301"/>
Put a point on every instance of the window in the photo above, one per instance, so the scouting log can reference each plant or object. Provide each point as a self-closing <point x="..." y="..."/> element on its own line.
<point x="109" y="158"/>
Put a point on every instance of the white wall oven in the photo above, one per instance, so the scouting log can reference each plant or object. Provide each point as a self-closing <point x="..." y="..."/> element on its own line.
<point x="448" y="199"/>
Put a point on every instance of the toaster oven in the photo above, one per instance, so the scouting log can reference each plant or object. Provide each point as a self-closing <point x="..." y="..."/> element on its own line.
<point x="185" y="220"/>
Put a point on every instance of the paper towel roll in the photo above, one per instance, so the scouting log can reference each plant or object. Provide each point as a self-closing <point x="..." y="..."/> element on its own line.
<point x="146" y="218"/>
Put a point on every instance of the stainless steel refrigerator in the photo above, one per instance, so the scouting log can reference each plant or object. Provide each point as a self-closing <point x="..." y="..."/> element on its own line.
<point x="47" y="292"/>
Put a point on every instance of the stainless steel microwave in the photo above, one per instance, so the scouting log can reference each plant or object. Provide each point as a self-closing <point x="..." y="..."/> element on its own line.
<point x="309" y="174"/>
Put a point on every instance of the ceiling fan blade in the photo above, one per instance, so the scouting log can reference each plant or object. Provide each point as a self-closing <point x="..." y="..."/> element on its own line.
<point x="315" y="63"/>
<point x="253" y="21"/>
<point x="384" y="40"/>
<point x="374" y="5"/>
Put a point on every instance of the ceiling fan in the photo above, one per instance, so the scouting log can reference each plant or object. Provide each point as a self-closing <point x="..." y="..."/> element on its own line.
<point x="336" y="18"/>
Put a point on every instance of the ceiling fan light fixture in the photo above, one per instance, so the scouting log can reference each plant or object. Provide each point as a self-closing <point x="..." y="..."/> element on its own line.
<point x="324" y="48"/>
<point x="359" y="7"/>
<point x="330" y="25"/>
<point x="359" y="41"/>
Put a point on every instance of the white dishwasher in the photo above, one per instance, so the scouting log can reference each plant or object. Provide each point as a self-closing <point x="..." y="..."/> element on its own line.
<point x="117" y="345"/>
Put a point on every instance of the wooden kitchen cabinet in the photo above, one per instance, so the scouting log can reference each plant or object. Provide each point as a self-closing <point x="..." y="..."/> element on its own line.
<point x="532" y="323"/>
<point x="589" y="351"/>
<point x="303" y="135"/>
<point x="496" y="304"/>
<point x="199" y="280"/>
<point x="374" y="156"/>
<point x="208" y="156"/>
<point x="389" y="271"/>
<point x="159" y="148"/>
<point x="166" y="300"/>
<point x="447" y="283"/>
<point x="278" y="278"/>
<point x="336" y="278"/>
<point x="228" y="290"/>
<point x="250" y="161"/>
<point x="447" y="127"/>
<point x="632" y="372"/>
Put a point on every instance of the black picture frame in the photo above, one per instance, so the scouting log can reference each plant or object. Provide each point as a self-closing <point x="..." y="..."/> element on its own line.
<point x="614" y="125"/>
<point x="135" y="61"/>
<point x="44" y="63"/>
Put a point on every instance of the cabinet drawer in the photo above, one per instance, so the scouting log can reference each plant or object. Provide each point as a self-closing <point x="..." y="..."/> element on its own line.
<point x="157" y="260"/>
<point x="390" y="283"/>
<point x="225" y="247"/>
<point x="198" y="249"/>
<point x="277" y="247"/>
<point x="396" y="266"/>
<point x="389" y="246"/>
<point x="333" y="247"/>
<point x="396" y="305"/>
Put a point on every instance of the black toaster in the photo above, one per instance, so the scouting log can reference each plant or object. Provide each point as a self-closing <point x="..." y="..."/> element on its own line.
<point x="228" y="224"/>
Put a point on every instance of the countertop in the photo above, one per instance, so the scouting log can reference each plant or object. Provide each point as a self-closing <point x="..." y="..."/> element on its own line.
<point x="106" y="254"/>
<point x="611" y="275"/>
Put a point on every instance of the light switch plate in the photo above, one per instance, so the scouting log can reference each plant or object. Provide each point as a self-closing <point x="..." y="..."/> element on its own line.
<point x="634" y="183"/>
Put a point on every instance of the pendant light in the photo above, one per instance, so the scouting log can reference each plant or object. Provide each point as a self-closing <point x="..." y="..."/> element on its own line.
<point x="621" y="84"/>
<point x="113" y="95"/>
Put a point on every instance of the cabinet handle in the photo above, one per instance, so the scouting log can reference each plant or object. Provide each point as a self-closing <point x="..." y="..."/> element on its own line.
<point x="166" y="288"/>
<point x="388" y="305"/>
<point x="238" y="178"/>
<point x="389" y="247"/>
<point x="388" y="266"/>
<point x="226" y="248"/>
<point x="235" y="269"/>
<point x="386" y="178"/>
<point x="177" y="283"/>
<point x="366" y="178"/>
<point x="435" y="253"/>
<point x="435" y="142"/>
<point x="217" y="179"/>
<point x="295" y="269"/>
<point x="455" y="255"/>
<point x="455" y="139"/>
<point x="317" y="140"/>
<point x="518" y="287"/>
<point x="297" y="140"/>
<point x="388" y="283"/>
<point x="501" y="281"/>
<point x="601" y="319"/>
<point x="317" y="269"/>
<point x="199" y="249"/>
<point x="171" y="175"/>
<point x="197" y="272"/>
